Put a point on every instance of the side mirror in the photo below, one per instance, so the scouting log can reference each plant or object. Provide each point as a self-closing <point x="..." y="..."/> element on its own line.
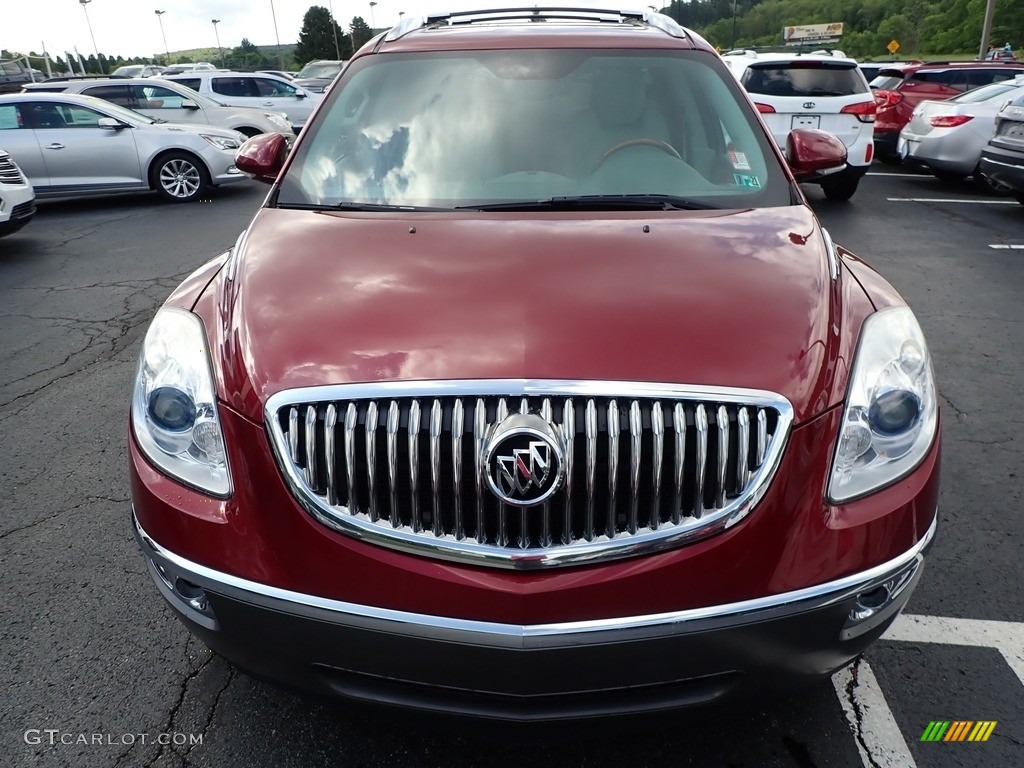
<point x="263" y="156"/>
<point x="812" y="153"/>
<point x="188" y="104"/>
<point x="110" y="124"/>
<point x="300" y="94"/>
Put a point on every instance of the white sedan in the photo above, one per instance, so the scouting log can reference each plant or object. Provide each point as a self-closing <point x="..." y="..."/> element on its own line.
<point x="70" y="145"/>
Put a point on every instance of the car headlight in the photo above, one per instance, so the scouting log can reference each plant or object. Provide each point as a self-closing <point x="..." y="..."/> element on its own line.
<point x="891" y="412"/>
<point x="279" y="120"/>
<point x="220" y="142"/>
<point x="174" y="406"/>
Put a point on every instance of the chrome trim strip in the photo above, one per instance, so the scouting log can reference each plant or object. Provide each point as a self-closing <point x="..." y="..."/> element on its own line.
<point x="700" y="419"/>
<point x="762" y="435"/>
<point x="330" y="423"/>
<point x="531" y="635"/>
<point x="635" y="448"/>
<point x="743" y="451"/>
<point x="830" y="249"/>
<point x="658" y="433"/>
<point x="458" y="423"/>
<point x="569" y="436"/>
<point x="591" y="466"/>
<point x="350" y="454"/>
<point x="479" y="434"/>
<point x="435" y="464"/>
<point x="311" y="478"/>
<point x="392" y="432"/>
<point x="293" y="434"/>
<point x="414" y="462"/>
<point x="613" y="465"/>
<point x="679" y="425"/>
<point x="545" y="532"/>
<point x="406" y="537"/>
<point x="371" y="458"/>
<point x="722" y="422"/>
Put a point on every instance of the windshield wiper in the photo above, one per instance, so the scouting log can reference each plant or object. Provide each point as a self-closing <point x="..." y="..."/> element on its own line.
<point x="643" y="202"/>
<point x="349" y="206"/>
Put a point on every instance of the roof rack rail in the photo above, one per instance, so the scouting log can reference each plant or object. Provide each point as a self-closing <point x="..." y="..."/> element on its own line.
<point x="539" y="13"/>
<point x="65" y="78"/>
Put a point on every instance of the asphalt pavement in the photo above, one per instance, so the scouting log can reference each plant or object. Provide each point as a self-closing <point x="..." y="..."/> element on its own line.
<point x="96" y="671"/>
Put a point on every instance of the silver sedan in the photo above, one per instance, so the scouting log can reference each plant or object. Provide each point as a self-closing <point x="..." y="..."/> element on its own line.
<point x="946" y="137"/>
<point x="69" y="145"/>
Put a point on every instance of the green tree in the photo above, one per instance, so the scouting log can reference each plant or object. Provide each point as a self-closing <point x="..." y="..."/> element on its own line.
<point x="361" y="32"/>
<point x="317" y="36"/>
<point x="247" y="57"/>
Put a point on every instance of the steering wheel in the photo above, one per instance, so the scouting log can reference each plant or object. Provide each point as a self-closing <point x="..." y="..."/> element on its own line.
<point x="639" y="141"/>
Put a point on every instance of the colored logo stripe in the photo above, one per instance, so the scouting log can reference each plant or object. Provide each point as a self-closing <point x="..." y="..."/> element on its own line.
<point x="958" y="730"/>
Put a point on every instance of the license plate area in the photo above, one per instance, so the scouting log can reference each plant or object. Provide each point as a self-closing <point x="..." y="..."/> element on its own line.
<point x="806" y="121"/>
<point x="1013" y="130"/>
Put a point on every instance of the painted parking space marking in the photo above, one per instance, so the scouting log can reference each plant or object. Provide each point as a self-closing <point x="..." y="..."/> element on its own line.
<point x="899" y="175"/>
<point x="875" y="730"/>
<point x="877" y="734"/>
<point x="949" y="200"/>
<point x="1005" y="247"/>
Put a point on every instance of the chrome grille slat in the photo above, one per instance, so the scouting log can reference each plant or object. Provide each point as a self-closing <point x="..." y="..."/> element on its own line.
<point x="458" y="416"/>
<point x="635" y="448"/>
<point x="701" y="428"/>
<point x="414" y="464"/>
<point x="330" y="423"/>
<point x="350" y="451"/>
<point x="371" y="458"/>
<point x="695" y="461"/>
<point x="613" y="466"/>
<point x="435" y="465"/>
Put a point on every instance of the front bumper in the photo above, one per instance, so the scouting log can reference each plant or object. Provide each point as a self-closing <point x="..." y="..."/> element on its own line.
<point x="536" y="672"/>
<point x="1005" y="166"/>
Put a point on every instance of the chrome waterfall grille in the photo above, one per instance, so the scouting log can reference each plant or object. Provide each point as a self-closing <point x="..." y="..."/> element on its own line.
<point x="642" y="467"/>
<point x="9" y="173"/>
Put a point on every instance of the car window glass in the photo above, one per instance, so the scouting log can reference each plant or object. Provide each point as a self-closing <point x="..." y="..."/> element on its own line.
<point x="267" y="87"/>
<point x="984" y="93"/>
<point x="231" y="86"/>
<point x="115" y="94"/>
<point x="887" y="82"/>
<point x="799" y="80"/>
<point x="75" y="116"/>
<point x="445" y="130"/>
<point x="192" y="82"/>
<point x="10" y="117"/>
<point x="157" y="97"/>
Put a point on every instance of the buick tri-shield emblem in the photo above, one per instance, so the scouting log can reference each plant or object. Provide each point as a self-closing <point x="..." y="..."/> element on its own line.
<point x="523" y="460"/>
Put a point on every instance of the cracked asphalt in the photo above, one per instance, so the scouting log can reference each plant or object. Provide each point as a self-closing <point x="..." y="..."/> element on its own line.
<point x="87" y="647"/>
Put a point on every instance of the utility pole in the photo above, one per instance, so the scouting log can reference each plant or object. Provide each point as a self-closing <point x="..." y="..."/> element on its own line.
<point x="219" y="49"/>
<point x="986" y="28"/>
<point x="159" y="17"/>
<point x="99" y="63"/>
<point x="334" y="30"/>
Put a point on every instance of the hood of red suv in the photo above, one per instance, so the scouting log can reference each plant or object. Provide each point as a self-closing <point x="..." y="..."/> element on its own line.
<point x="738" y="299"/>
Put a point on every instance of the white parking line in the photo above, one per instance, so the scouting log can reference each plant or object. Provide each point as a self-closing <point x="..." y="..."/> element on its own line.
<point x="949" y="200"/>
<point x="899" y="175"/>
<point x="1007" y="637"/>
<point x="876" y="732"/>
<point x="1004" y="247"/>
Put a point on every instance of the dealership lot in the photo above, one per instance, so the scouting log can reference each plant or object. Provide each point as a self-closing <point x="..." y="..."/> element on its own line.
<point x="88" y="648"/>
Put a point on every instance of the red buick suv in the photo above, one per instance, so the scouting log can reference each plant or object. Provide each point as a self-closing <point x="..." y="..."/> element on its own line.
<point x="535" y="390"/>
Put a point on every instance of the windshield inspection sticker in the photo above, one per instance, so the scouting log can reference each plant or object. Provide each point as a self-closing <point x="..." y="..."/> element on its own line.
<point x="742" y="180"/>
<point x="739" y="160"/>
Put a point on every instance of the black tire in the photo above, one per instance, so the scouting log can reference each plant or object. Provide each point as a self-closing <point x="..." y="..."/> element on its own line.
<point x="841" y="190"/>
<point x="986" y="185"/>
<point x="888" y="159"/>
<point x="179" y="177"/>
<point x="947" y="177"/>
<point x="1019" y="197"/>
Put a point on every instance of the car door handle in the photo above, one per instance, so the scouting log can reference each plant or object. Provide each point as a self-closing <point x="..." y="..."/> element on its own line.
<point x="55" y="145"/>
<point x="268" y="103"/>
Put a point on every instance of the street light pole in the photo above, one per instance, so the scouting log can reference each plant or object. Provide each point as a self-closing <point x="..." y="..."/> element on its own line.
<point x="372" y="23"/>
<point x="277" y="37"/>
<point x="159" y="17"/>
<point x="733" y="43"/>
<point x="217" y="34"/>
<point x="334" y="30"/>
<point x="91" y="35"/>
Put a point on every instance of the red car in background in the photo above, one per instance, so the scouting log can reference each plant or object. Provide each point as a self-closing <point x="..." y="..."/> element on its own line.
<point x="899" y="89"/>
<point x="535" y="390"/>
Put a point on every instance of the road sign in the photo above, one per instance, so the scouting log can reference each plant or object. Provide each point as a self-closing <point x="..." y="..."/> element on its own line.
<point x="893" y="46"/>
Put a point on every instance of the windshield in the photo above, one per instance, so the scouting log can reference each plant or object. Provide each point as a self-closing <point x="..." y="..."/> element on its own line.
<point x="312" y="71"/>
<point x="476" y="128"/>
<point x="986" y="92"/>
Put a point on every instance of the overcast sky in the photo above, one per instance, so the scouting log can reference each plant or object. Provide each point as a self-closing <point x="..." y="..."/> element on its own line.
<point x="131" y="28"/>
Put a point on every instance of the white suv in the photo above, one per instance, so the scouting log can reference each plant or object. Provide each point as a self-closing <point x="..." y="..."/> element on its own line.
<point x="248" y="89"/>
<point x="17" y="198"/>
<point x="824" y="90"/>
